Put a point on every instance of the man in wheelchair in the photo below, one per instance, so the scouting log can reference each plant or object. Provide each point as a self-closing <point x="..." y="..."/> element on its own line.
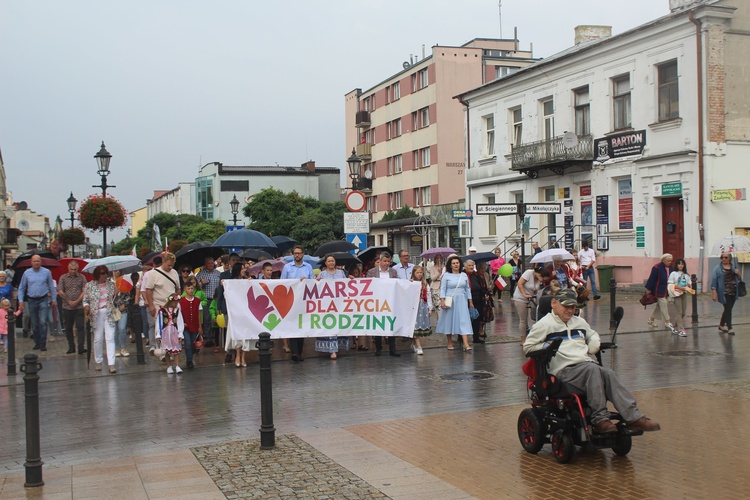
<point x="573" y="364"/>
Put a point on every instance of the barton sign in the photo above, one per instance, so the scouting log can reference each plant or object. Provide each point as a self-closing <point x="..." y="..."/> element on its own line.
<point x="619" y="147"/>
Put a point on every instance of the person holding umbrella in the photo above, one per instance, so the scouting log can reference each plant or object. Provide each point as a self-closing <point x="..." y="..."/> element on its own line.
<point x="99" y="308"/>
<point x="38" y="289"/>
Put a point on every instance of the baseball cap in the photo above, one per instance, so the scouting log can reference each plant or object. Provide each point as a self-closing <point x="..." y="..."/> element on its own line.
<point x="472" y="249"/>
<point x="567" y="297"/>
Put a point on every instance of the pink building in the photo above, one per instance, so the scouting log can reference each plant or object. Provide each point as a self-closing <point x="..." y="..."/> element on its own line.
<point x="409" y="132"/>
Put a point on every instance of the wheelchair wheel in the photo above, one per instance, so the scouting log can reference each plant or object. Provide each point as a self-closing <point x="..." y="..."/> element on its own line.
<point x="562" y="446"/>
<point x="622" y="445"/>
<point x="530" y="431"/>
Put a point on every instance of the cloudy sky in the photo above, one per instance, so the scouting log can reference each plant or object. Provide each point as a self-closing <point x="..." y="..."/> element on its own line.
<point x="170" y="85"/>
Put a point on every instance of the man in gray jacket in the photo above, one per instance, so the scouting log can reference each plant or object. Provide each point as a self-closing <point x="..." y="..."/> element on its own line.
<point x="574" y="365"/>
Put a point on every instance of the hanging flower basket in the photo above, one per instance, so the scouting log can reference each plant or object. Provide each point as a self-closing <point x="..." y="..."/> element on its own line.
<point x="99" y="212"/>
<point x="72" y="236"/>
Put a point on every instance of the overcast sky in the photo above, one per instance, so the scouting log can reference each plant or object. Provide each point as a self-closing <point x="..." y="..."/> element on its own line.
<point x="170" y="85"/>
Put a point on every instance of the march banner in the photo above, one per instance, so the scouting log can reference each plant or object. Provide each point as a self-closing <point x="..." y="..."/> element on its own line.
<point x="321" y="308"/>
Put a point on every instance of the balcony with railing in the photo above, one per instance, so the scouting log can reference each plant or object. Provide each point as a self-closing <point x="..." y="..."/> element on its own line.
<point x="362" y="119"/>
<point x="364" y="151"/>
<point x="551" y="154"/>
<point x="362" y="184"/>
<point x="9" y="238"/>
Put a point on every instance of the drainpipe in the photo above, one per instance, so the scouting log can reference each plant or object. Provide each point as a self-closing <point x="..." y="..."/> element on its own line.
<point x="699" y="57"/>
<point x="466" y="167"/>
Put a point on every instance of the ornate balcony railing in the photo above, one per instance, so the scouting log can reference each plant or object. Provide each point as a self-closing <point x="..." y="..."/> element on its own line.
<point x="362" y="119"/>
<point x="551" y="152"/>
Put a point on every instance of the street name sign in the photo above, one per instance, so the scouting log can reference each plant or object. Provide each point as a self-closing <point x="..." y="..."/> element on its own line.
<point x="542" y="208"/>
<point x="497" y="209"/>
<point x="356" y="222"/>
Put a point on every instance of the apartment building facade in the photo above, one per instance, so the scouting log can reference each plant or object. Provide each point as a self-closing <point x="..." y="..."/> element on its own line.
<point x="640" y="137"/>
<point x="409" y="133"/>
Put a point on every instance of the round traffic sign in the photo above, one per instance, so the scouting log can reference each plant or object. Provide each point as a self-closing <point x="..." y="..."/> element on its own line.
<point x="355" y="201"/>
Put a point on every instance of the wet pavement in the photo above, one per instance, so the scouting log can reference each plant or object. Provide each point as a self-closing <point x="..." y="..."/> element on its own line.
<point x="412" y="426"/>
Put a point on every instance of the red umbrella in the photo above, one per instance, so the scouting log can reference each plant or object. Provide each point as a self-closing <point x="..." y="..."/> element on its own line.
<point x="58" y="271"/>
<point x="46" y="262"/>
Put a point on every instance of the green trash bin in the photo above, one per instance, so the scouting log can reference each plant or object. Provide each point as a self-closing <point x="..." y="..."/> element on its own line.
<point x="605" y="274"/>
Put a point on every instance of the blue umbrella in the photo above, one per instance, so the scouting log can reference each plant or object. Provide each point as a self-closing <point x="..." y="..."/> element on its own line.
<point x="245" y="238"/>
<point x="307" y="258"/>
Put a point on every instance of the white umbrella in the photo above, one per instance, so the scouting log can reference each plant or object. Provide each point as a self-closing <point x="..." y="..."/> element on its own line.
<point x="731" y="244"/>
<point x="550" y="254"/>
<point x="113" y="263"/>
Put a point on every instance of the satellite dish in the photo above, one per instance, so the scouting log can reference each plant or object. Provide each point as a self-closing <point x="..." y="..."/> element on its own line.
<point x="368" y="174"/>
<point x="406" y="65"/>
<point x="23" y="225"/>
<point x="570" y="140"/>
<point x="23" y="205"/>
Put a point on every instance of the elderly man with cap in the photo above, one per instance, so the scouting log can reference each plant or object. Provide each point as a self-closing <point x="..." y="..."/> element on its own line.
<point x="574" y="365"/>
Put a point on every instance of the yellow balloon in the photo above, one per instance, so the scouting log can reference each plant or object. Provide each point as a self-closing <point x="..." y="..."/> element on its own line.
<point x="221" y="321"/>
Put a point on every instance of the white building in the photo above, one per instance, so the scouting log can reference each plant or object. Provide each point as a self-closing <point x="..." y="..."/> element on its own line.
<point x="178" y="200"/>
<point x="660" y="138"/>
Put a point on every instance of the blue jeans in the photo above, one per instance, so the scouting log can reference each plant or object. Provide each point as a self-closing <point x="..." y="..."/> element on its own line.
<point x="189" y="339"/>
<point x="121" y="332"/>
<point x="39" y="311"/>
<point x="590" y="273"/>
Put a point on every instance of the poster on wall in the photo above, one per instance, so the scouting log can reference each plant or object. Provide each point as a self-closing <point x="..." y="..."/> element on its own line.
<point x="568" y="216"/>
<point x="625" y="203"/>
<point x="602" y="222"/>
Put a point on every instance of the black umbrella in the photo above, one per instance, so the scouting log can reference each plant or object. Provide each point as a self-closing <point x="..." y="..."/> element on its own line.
<point x="195" y="254"/>
<point x="369" y="253"/>
<point x="479" y="257"/>
<point x="256" y="255"/>
<point x="283" y="243"/>
<point x="245" y="238"/>
<point x="342" y="259"/>
<point x="334" y="246"/>
<point x="148" y="259"/>
<point x="28" y="255"/>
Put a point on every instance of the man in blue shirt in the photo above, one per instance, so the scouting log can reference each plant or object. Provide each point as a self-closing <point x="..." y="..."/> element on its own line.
<point x="297" y="269"/>
<point x="38" y="289"/>
<point x="404" y="267"/>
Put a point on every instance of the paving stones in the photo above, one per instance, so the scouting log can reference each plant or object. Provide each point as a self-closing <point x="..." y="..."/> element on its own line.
<point x="294" y="469"/>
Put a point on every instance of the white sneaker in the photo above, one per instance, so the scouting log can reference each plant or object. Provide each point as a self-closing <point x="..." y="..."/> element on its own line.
<point x="419" y="351"/>
<point x="125" y="353"/>
<point x="118" y="354"/>
<point x="414" y="347"/>
<point x="170" y="371"/>
<point x="177" y="369"/>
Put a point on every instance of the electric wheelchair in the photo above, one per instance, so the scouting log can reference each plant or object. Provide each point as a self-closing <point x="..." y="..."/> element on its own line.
<point x="559" y="414"/>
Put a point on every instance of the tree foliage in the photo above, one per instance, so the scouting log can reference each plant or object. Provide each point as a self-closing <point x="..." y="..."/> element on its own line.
<point x="402" y="213"/>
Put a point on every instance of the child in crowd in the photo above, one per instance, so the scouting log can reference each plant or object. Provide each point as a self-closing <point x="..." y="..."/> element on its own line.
<point x="4" y="308"/>
<point x="191" y="308"/>
<point x="677" y="284"/>
<point x="423" y="327"/>
<point x="169" y="329"/>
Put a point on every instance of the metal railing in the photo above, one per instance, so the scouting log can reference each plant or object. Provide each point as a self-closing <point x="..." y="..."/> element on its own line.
<point x="362" y="119"/>
<point x="550" y="151"/>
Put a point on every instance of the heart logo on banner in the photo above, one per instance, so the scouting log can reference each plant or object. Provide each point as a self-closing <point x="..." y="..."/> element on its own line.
<point x="259" y="306"/>
<point x="282" y="298"/>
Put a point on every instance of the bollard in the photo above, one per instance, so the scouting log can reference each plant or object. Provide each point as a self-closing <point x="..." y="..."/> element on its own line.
<point x="694" y="285"/>
<point x="139" y="356"/>
<point x="267" y="430"/>
<point x="612" y="303"/>
<point x="11" y="343"/>
<point x="33" y="465"/>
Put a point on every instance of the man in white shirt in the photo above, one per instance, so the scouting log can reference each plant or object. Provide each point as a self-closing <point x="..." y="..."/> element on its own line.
<point x="587" y="256"/>
<point x="404" y="267"/>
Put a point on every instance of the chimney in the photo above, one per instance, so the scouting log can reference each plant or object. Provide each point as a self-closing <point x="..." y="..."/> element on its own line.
<point x="309" y="166"/>
<point x="585" y="33"/>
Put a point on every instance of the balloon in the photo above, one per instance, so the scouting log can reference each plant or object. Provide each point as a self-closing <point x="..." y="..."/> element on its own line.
<point x="221" y="321"/>
<point x="505" y="270"/>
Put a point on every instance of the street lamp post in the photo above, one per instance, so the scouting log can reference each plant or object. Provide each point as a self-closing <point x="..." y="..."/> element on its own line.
<point x="355" y="162"/>
<point x="179" y="226"/>
<point x="235" y="205"/>
<point x="72" y="209"/>
<point x="102" y="161"/>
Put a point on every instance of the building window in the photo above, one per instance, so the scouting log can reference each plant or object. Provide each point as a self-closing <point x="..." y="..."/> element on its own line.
<point x="583" y="111"/>
<point x="366" y="104"/>
<point x="501" y="71"/>
<point x="396" y="127"/>
<point x="204" y="197"/>
<point x="414" y="86"/>
<point x="415" y="192"/>
<point x="425" y="154"/>
<point x="489" y="135"/>
<point x="397" y="164"/>
<point x="397" y="199"/>
<point x="416" y="158"/>
<point x="516" y="119"/>
<point x="625" y="203"/>
<point x="369" y="136"/>
<point x="237" y="186"/>
<point x="390" y="165"/>
<point x="396" y="91"/>
<point x="424" y="117"/>
<point x="669" y="96"/>
<point x="548" y="112"/>
<point x="621" y="101"/>
<point x="491" y="219"/>
<point x="424" y="79"/>
<point x="371" y="205"/>
<point x="390" y="201"/>
<point x="426" y="196"/>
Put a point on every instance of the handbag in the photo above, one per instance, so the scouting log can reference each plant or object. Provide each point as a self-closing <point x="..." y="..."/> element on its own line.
<point x="449" y="300"/>
<point x="741" y="289"/>
<point x="198" y="344"/>
<point x="647" y="299"/>
<point x="117" y="314"/>
<point x="473" y="313"/>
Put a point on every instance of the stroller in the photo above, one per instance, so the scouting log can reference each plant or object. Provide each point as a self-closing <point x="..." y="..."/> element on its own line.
<point x="559" y="414"/>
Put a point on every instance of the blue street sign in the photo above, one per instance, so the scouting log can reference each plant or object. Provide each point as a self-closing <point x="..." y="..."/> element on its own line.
<point x="359" y="239"/>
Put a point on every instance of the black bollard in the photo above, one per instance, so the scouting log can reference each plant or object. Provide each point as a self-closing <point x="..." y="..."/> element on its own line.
<point x="267" y="430"/>
<point x="11" y="343"/>
<point x="33" y="465"/>
<point x="612" y="302"/>
<point x="139" y="356"/>
<point x="694" y="285"/>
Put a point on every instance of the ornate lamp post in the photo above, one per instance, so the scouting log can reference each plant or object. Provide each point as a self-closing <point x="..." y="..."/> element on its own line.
<point x="235" y="205"/>
<point x="355" y="162"/>
<point x="72" y="209"/>
<point x="102" y="161"/>
<point x="179" y="226"/>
